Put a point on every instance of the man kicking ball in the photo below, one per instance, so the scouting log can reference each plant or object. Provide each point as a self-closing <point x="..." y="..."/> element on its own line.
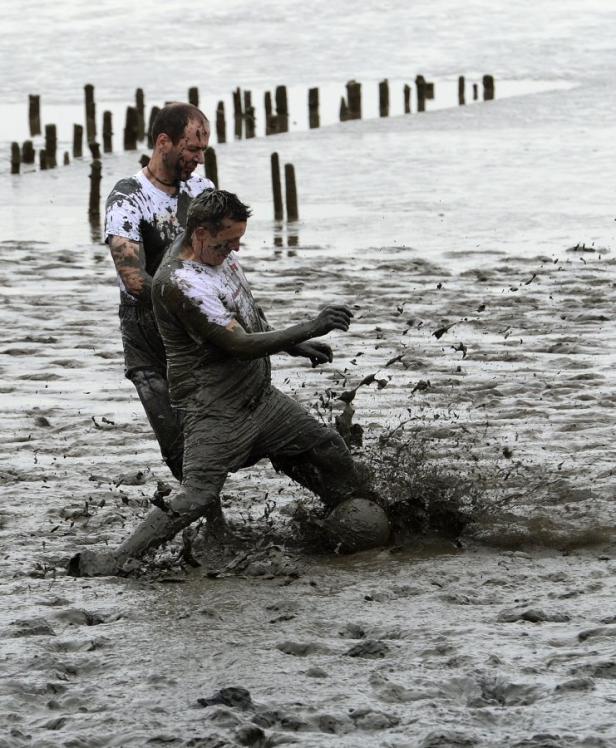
<point x="218" y="345"/>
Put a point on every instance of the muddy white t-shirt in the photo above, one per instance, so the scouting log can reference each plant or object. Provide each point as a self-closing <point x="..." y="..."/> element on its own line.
<point x="188" y="295"/>
<point x="139" y="211"/>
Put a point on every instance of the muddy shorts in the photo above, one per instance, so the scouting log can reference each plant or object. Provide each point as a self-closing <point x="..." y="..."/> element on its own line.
<point x="143" y="346"/>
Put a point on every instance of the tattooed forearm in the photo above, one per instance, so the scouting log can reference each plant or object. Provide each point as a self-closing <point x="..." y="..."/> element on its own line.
<point x="129" y="259"/>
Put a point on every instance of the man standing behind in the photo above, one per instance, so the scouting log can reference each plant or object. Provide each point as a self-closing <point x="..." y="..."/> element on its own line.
<point x="218" y="345"/>
<point x="144" y="215"/>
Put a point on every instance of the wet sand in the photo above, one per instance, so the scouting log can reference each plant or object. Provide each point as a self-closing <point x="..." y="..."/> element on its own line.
<point x="494" y="223"/>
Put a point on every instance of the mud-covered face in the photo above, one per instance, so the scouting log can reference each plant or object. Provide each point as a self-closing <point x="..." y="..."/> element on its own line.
<point x="215" y="248"/>
<point x="183" y="157"/>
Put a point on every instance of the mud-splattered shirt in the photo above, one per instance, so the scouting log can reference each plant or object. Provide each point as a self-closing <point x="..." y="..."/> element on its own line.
<point x="190" y="301"/>
<point x="139" y="211"/>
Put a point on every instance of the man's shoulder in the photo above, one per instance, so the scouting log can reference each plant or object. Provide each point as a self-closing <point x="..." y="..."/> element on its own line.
<point x="126" y="186"/>
<point x="196" y="184"/>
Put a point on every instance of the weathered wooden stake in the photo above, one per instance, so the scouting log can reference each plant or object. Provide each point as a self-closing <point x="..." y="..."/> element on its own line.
<point x="153" y="113"/>
<point x="488" y="87"/>
<point x="353" y="100"/>
<point x="211" y="167"/>
<point x="34" y="114"/>
<point x="313" y="108"/>
<point x="249" y="115"/>
<point x="90" y="112"/>
<point x="237" y="112"/>
<point x="291" y="192"/>
<point x="130" y="129"/>
<point x="407" y="98"/>
<point x="51" y="144"/>
<point x="429" y="90"/>
<point x="461" y="91"/>
<point x="420" y="86"/>
<point x="96" y="170"/>
<point x="276" y="187"/>
<point x="221" y="125"/>
<point x="95" y="150"/>
<point x="77" y="141"/>
<point x="140" y="106"/>
<point x="42" y="160"/>
<point x="144" y="160"/>
<point x="67" y="158"/>
<point x="344" y="110"/>
<point x="15" y="158"/>
<point x="28" y="155"/>
<point x="270" y="117"/>
<point x="193" y="96"/>
<point x="475" y="92"/>
<point x="282" y="109"/>
<point x="384" y="98"/>
<point x="108" y="131"/>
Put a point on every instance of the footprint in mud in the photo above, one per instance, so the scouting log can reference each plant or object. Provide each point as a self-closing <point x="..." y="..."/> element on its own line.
<point x="79" y="617"/>
<point x="369" y="648"/>
<point x="448" y="739"/>
<point x="29" y="627"/>
<point x="532" y="615"/>
<point x="302" y="649"/>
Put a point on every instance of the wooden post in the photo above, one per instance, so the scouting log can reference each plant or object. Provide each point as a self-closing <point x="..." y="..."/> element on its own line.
<point x="475" y="92"/>
<point x="384" y="98"/>
<point x="42" y="160"/>
<point x="407" y="99"/>
<point x="282" y="109"/>
<point x="344" y="110"/>
<point x="461" y="91"/>
<point x="96" y="169"/>
<point x="15" y="158"/>
<point x="95" y="150"/>
<point x="276" y="188"/>
<point x="420" y="86"/>
<point x="429" y="90"/>
<point x="140" y="106"/>
<point x="144" y="160"/>
<point x="193" y="96"/>
<point x="291" y="192"/>
<point x="488" y="87"/>
<point x="67" y="158"/>
<point x="27" y="152"/>
<point x="313" y="108"/>
<point x="153" y="113"/>
<point x="270" y="117"/>
<point x="34" y="114"/>
<point x="77" y="141"/>
<point x="90" y="112"/>
<point x="353" y="101"/>
<point x="51" y="144"/>
<point x="211" y="167"/>
<point x="249" y="115"/>
<point x="237" y="112"/>
<point x="108" y="131"/>
<point x="221" y="125"/>
<point x="130" y="129"/>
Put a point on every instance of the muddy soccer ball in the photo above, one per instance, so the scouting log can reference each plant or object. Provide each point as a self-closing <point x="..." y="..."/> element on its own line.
<point x="358" y="524"/>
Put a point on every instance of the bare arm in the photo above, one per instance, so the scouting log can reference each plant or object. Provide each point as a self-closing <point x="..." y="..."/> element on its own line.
<point x="129" y="259"/>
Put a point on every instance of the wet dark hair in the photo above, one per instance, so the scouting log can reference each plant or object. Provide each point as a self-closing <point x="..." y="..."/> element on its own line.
<point x="173" y="118"/>
<point x="211" y="207"/>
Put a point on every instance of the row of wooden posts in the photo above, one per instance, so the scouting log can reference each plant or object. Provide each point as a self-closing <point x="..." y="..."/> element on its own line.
<point x="276" y="121"/>
<point x="276" y="117"/>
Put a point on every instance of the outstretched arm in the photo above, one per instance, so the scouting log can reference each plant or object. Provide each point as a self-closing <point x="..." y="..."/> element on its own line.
<point x="248" y="345"/>
<point x="129" y="259"/>
<point x="317" y="351"/>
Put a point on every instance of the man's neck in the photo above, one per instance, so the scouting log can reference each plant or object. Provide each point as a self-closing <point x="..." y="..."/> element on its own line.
<point x="158" y="175"/>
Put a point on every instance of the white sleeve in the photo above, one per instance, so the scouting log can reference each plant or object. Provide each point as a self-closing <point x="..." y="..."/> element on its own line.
<point x="200" y="289"/>
<point x="123" y="217"/>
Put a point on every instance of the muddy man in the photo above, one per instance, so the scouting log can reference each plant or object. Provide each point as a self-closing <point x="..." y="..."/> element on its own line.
<point x="218" y="346"/>
<point x="144" y="215"/>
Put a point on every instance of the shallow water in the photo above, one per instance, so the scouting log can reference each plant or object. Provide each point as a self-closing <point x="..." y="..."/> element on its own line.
<point x="496" y="219"/>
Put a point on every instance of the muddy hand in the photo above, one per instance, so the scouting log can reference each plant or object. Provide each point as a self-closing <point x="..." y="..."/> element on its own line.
<point x="333" y="317"/>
